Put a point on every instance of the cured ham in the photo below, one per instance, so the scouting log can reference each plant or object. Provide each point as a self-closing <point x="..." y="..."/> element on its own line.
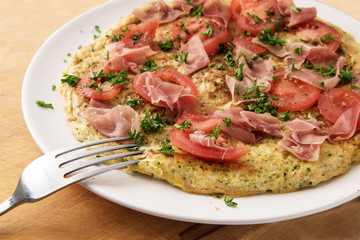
<point x="248" y="126"/>
<point x="237" y="89"/>
<point x="165" y="94"/>
<point x="158" y="10"/>
<point x="122" y="58"/>
<point x="218" y="12"/>
<point x="304" y="139"/>
<point x="346" y="125"/>
<point x="197" y="57"/>
<point x="295" y="18"/>
<point x="112" y="121"/>
<point x="185" y="5"/>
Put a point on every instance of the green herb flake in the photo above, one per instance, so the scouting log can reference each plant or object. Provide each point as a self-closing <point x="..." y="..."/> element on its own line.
<point x="183" y="125"/>
<point x="70" y="79"/>
<point x="285" y="116"/>
<point x="53" y="87"/>
<point x="298" y="50"/>
<point x="230" y="202"/>
<point x="216" y="132"/>
<point x="166" y="149"/>
<point x="221" y="66"/>
<point x="44" y="105"/>
<point x="311" y="117"/>
<point x="150" y="65"/>
<point x="267" y="38"/>
<point x="182" y="57"/>
<point x="151" y="124"/>
<point x="227" y="122"/>
<point x="295" y="9"/>
<point x="167" y="46"/>
<point x="239" y="72"/>
<point x="197" y="11"/>
<point x="256" y="19"/>
<point x="133" y="102"/>
<point x="346" y="75"/>
<point x="321" y="83"/>
<point x="210" y="30"/>
<point x="138" y="139"/>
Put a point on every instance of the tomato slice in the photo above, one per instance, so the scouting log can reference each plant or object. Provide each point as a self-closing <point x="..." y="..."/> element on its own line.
<point x="182" y="140"/>
<point x="167" y="75"/>
<point x="321" y="32"/>
<point x="138" y="35"/>
<point x="246" y="42"/>
<point x="292" y="94"/>
<point x="254" y="15"/>
<point x="184" y="29"/>
<point x="334" y="102"/>
<point x="90" y="92"/>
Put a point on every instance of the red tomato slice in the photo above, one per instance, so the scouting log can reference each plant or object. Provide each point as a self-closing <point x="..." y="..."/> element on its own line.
<point x="323" y="33"/>
<point x="167" y="75"/>
<point x="139" y="35"/>
<point x="181" y="139"/>
<point x="184" y="29"/>
<point x="243" y="10"/>
<point x="97" y="95"/>
<point x="246" y="42"/>
<point x="334" y="102"/>
<point x="293" y="94"/>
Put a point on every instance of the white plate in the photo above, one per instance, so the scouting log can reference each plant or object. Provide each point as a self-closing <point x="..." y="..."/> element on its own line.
<point x="145" y="194"/>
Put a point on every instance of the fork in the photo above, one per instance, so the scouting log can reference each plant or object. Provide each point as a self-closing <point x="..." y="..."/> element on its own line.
<point x="58" y="169"/>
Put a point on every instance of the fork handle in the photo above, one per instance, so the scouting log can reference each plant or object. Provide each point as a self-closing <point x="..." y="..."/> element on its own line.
<point x="7" y="205"/>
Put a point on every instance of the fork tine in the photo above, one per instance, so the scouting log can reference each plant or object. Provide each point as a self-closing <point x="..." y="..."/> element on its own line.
<point x="97" y="171"/>
<point x="89" y="144"/>
<point x="94" y="152"/>
<point x="75" y="167"/>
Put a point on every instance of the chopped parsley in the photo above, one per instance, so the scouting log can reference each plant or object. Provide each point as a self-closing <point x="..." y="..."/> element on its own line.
<point x="249" y="63"/>
<point x="346" y="75"/>
<point x="355" y="86"/>
<point x="266" y="37"/>
<point x="133" y="102"/>
<point x="44" y="105"/>
<point x="255" y="18"/>
<point x="136" y="37"/>
<point x="166" y="149"/>
<point x="197" y="11"/>
<point x="150" y="65"/>
<point x="53" y="87"/>
<point x="182" y="57"/>
<point x="167" y="46"/>
<point x="150" y="124"/>
<point x="230" y="202"/>
<point x="269" y="11"/>
<point x="70" y="79"/>
<point x="210" y="30"/>
<point x="298" y="50"/>
<point x="227" y="122"/>
<point x="321" y="83"/>
<point x="229" y="58"/>
<point x="225" y="47"/>
<point x="221" y="66"/>
<point x="216" y="132"/>
<point x="183" y="125"/>
<point x="325" y="71"/>
<point x="295" y="9"/>
<point x="327" y="38"/>
<point x="285" y="116"/>
<point x="138" y="139"/>
<point x="314" y="41"/>
<point x="239" y="72"/>
<point x="262" y="104"/>
<point x="311" y="117"/>
<point x="97" y="28"/>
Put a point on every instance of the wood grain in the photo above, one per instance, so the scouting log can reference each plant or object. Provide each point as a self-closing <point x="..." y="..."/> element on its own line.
<point x="75" y="213"/>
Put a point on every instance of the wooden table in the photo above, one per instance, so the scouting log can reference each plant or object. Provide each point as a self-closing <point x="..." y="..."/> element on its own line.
<point x="75" y="213"/>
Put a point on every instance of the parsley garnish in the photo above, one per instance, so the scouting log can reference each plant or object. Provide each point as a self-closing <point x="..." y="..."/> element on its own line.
<point x="150" y="65"/>
<point x="166" y="149"/>
<point x="44" y="105"/>
<point x="227" y="122"/>
<point x="327" y="38"/>
<point x="298" y="50"/>
<point x="133" y="102"/>
<point x="296" y="9"/>
<point x="314" y="41"/>
<point x="262" y="104"/>
<point x="345" y="75"/>
<point x="230" y="202"/>
<point x="230" y="61"/>
<point x="321" y="83"/>
<point x="255" y="17"/>
<point x="210" y="30"/>
<point x="181" y="58"/>
<point x="216" y="132"/>
<point x="309" y="116"/>
<point x="266" y="37"/>
<point x="136" y="37"/>
<point x="138" y="139"/>
<point x="70" y="79"/>
<point x="167" y="46"/>
<point x="197" y="11"/>
<point x="239" y="72"/>
<point x="325" y="71"/>
<point x="53" y="87"/>
<point x="151" y="123"/>
<point x="269" y="11"/>
<point x="183" y="125"/>
<point x="285" y="116"/>
<point x="221" y="66"/>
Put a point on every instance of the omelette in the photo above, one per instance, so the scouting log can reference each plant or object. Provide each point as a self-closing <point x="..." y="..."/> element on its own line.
<point x="262" y="162"/>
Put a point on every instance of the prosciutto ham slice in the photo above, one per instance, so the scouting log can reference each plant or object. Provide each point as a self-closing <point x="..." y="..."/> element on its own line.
<point x="296" y="18"/>
<point x="304" y="139"/>
<point x="197" y="57"/>
<point x="247" y="126"/>
<point x="112" y="121"/>
<point x="122" y="58"/>
<point x="158" y="10"/>
<point x="218" y="12"/>
<point x="346" y="125"/>
<point x="185" y="5"/>
<point x="237" y="89"/>
<point x="171" y="95"/>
